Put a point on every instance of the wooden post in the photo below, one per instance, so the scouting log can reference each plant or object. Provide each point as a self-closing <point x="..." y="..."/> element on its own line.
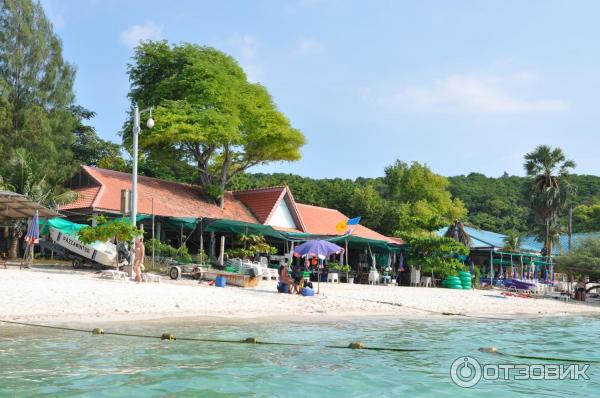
<point x="222" y="251"/>
<point x="152" y="232"/>
<point x="201" y="243"/>
<point x="211" y="247"/>
<point x="570" y="226"/>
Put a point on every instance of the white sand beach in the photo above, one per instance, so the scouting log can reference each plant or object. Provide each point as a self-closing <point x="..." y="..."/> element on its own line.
<point x="61" y="296"/>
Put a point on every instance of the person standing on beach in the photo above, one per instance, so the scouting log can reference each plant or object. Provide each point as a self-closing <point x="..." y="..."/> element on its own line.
<point x="140" y="252"/>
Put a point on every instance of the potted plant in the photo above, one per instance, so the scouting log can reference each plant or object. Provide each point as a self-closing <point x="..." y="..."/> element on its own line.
<point x="346" y="268"/>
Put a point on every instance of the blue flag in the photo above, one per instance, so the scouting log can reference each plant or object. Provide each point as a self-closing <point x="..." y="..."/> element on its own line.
<point x="353" y="221"/>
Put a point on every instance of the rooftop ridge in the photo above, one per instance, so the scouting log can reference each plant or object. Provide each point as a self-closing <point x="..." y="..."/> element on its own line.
<point x="275" y="187"/>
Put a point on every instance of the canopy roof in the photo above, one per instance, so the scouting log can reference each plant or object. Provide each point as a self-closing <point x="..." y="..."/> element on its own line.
<point x="243" y="228"/>
<point x="355" y="242"/>
<point x="488" y="240"/>
<point x="14" y="206"/>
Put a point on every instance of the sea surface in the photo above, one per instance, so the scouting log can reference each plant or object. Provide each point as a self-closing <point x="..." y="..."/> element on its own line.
<point x="70" y="364"/>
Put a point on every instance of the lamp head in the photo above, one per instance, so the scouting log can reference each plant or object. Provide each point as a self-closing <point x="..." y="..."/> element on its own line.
<point x="150" y="123"/>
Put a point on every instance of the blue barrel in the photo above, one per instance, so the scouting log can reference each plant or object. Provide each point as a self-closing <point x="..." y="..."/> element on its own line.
<point x="220" y="281"/>
<point x="307" y="291"/>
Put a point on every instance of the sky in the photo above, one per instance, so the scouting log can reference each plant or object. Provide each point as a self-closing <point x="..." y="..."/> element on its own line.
<point x="462" y="86"/>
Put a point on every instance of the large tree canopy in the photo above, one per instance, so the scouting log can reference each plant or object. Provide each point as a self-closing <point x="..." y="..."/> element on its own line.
<point x="207" y="113"/>
<point x="36" y="85"/>
<point x="423" y="199"/>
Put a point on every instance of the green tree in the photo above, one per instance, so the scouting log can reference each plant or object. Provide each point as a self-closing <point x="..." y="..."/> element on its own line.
<point x="548" y="169"/>
<point x="207" y="113"/>
<point x="434" y="254"/>
<point x="36" y="88"/>
<point x="457" y="231"/>
<point x="423" y="199"/>
<point x="88" y="148"/>
<point x="582" y="259"/>
<point x="512" y="242"/>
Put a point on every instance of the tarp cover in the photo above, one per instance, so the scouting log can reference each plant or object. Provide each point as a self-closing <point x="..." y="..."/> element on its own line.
<point x="64" y="226"/>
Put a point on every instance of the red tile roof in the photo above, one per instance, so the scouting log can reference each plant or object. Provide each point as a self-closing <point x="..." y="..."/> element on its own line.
<point x="170" y="198"/>
<point x="263" y="202"/>
<point x="185" y="200"/>
<point x="323" y="221"/>
<point x="85" y="198"/>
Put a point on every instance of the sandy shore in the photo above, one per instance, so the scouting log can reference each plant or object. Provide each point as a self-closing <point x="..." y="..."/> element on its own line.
<point x="68" y="296"/>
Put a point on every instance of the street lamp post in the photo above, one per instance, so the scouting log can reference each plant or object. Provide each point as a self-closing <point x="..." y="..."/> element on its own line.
<point x="136" y="132"/>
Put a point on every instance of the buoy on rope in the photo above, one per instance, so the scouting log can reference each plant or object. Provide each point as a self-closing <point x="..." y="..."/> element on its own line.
<point x="168" y="336"/>
<point x="356" y="345"/>
<point x="489" y="350"/>
<point x="251" y="340"/>
<point x="98" y="331"/>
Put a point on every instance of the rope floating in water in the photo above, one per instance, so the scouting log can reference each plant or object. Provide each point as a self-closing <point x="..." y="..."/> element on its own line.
<point x="171" y="337"/>
<point x="494" y="350"/>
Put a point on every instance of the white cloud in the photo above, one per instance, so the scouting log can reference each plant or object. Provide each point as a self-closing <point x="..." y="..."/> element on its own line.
<point x="473" y="93"/>
<point x="135" y="34"/>
<point x="246" y="48"/>
<point x="308" y="47"/>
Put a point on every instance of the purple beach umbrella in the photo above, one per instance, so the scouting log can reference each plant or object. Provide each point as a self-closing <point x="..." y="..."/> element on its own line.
<point x="401" y="263"/>
<point x="317" y="248"/>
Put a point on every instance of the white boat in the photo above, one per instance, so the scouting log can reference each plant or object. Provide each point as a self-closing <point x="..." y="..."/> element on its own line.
<point x="102" y="253"/>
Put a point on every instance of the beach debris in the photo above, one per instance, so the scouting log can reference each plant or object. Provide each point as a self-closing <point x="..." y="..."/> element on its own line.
<point x="97" y="331"/>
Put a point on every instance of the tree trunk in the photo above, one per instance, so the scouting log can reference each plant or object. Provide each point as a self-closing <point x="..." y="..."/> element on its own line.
<point x="13" y="248"/>
<point x="547" y="243"/>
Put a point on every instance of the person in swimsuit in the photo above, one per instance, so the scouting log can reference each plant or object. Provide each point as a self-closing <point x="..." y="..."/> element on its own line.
<point x="140" y="252"/>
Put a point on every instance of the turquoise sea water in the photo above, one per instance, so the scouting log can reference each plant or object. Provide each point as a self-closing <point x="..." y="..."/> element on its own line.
<point x="65" y="364"/>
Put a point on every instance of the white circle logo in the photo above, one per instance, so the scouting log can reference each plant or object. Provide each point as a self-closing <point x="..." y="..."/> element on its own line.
<point x="465" y="372"/>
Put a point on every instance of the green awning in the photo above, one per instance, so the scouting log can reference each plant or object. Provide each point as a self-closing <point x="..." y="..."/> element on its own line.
<point x="243" y="228"/>
<point x="356" y="242"/>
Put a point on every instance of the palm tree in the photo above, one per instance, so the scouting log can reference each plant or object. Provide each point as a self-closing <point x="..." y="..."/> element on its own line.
<point x="456" y="231"/>
<point x="549" y="190"/>
<point x="512" y="242"/>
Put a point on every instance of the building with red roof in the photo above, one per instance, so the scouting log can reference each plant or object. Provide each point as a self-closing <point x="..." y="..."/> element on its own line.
<point x="99" y="192"/>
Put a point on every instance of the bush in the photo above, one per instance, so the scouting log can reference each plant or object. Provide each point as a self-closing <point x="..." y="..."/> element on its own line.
<point x="166" y="250"/>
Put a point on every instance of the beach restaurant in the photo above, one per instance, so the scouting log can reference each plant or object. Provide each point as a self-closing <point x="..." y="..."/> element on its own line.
<point x="487" y="251"/>
<point x="178" y="214"/>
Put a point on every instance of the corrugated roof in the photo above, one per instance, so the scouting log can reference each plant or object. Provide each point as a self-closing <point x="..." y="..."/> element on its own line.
<point x="482" y="239"/>
<point x="563" y="246"/>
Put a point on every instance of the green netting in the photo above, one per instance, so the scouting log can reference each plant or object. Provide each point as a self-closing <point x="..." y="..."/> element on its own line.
<point x="243" y="228"/>
<point x="63" y="225"/>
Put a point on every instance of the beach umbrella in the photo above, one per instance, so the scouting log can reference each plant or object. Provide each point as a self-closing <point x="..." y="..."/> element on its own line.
<point x="32" y="237"/>
<point x="401" y="263"/>
<point x="317" y="248"/>
<point x="33" y="230"/>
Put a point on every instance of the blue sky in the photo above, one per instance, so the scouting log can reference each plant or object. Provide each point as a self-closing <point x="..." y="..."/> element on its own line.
<point x="459" y="85"/>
